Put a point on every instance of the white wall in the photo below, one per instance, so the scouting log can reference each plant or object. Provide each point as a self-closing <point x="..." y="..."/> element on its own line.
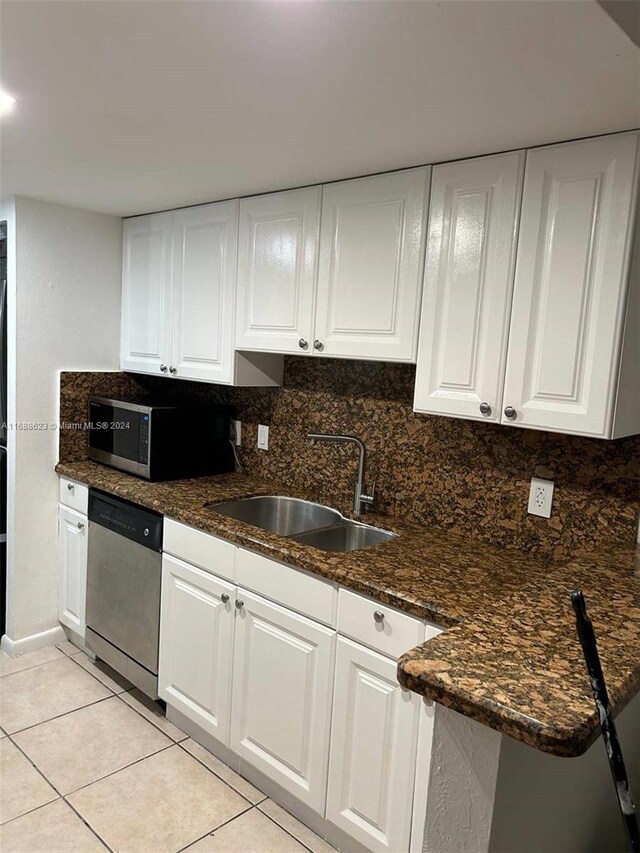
<point x="489" y="793"/>
<point x="564" y="805"/>
<point x="63" y="314"/>
<point x="462" y="784"/>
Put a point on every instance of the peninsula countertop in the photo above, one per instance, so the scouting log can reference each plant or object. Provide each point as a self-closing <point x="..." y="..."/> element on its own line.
<point x="509" y="656"/>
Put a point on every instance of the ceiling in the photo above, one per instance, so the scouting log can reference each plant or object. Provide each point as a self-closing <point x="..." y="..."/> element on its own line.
<point x="130" y="107"/>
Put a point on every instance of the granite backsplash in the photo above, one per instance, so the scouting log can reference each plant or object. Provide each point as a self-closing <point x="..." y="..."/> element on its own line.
<point x="450" y="473"/>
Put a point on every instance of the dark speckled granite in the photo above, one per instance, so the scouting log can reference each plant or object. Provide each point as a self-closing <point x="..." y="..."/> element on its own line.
<point x="509" y="657"/>
<point x="466" y="477"/>
<point x="468" y="556"/>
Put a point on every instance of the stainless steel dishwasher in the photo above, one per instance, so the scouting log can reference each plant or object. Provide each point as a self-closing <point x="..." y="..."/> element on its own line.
<point x="124" y="572"/>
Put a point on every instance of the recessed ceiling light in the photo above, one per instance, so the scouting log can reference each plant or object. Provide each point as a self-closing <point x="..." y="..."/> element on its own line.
<point x="7" y="103"/>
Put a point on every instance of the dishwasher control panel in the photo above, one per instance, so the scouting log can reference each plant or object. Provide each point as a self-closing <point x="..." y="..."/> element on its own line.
<point x="134" y="522"/>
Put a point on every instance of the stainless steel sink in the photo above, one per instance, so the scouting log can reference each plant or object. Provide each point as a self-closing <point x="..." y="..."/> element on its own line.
<point x="346" y="536"/>
<point x="306" y="522"/>
<point x="278" y="514"/>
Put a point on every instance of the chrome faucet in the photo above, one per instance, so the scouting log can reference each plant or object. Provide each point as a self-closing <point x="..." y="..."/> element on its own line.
<point x="359" y="496"/>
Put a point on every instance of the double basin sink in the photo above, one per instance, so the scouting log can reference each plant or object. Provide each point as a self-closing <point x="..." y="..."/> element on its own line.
<point x="306" y="522"/>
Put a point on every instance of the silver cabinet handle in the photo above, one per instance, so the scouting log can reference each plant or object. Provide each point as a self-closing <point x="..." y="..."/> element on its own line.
<point x="224" y="598"/>
<point x="318" y="345"/>
<point x="510" y="413"/>
<point x="378" y="616"/>
<point x="70" y="487"/>
<point x="173" y="370"/>
<point x="303" y="344"/>
<point x="81" y="525"/>
<point x="485" y="408"/>
<point x="163" y="368"/>
<point x="239" y="603"/>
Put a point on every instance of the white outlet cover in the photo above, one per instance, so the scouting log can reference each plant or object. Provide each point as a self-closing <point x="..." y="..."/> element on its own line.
<point x="540" y="497"/>
<point x="237" y="428"/>
<point x="263" y="437"/>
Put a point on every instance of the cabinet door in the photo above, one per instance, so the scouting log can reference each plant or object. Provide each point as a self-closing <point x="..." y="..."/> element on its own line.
<point x="370" y="275"/>
<point x="374" y="737"/>
<point x="205" y="241"/>
<point x="282" y="676"/>
<point x="570" y="285"/>
<point x="468" y="283"/>
<point x="146" y="293"/>
<point x="277" y="260"/>
<point x="196" y="645"/>
<point x="72" y="533"/>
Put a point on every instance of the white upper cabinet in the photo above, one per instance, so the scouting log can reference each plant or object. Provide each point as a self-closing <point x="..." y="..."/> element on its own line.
<point x="370" y="273"/>
<point x="204" y="271"/>
<point x="571" y="295"/>
<point x="277" y="265"/>
<point x="146" y="293"/>
<point x="178" y="305"/>
<point x="473" y="218"/>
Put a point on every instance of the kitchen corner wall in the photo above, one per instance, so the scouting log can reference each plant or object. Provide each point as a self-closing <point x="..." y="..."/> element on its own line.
<point x="63" y="307"/>
<point x="466" y="476"/>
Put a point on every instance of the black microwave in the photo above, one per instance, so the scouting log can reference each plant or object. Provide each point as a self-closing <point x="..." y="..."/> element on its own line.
<point x="163" y="441"/>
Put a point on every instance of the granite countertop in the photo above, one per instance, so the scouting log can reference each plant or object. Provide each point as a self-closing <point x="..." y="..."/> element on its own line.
<point x="509" y="657"/>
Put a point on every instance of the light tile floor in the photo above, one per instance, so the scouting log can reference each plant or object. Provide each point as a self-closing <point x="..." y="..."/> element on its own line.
<point x="88" y="763"/>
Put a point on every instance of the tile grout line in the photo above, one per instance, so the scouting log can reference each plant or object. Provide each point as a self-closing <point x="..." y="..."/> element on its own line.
<point x="31" y="811"/>
<point x="60" y="798"/>
<point x="77" y="663"/>
<point x="88" y="825"/>
<point x="284" y="829"/>
<point x="151" y="722"/>
<point x="119" y="770"/>
<point x="212" y="831"/>
<point x="58" y="716"/>
<point x="40" y="773"/>
<point x="184" y="749"/>
<point x="253" y="805"/>
<point x="63" y="797"/>
<point x="35" y="665"/>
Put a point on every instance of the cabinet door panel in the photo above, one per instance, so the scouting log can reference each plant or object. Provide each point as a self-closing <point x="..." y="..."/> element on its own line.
<point x="473" y="217"/>
<point x="369" y="280"/>
<point x="277" y="260"/>
<point x="196" y="645"/>
<point x="72" y="531"/>
<point x="282" y="697"/>
<point x="205" y="240"/>
<point x="570" y="284"/>
<point x="146" y="293"/>
<point x="374" y="738"/>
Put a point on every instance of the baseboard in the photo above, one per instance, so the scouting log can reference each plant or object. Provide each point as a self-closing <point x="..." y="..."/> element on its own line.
<point x="15" y="648"/>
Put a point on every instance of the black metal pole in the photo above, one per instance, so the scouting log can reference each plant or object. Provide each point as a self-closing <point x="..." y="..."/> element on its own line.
<point x="587" y="638"/>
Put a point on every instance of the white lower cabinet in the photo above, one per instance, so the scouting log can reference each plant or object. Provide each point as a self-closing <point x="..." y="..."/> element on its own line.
<point x="196" y="645"/>
<point x="374" y="737"/>
<point x="282" y="676"/>
<point x="72" y="543"/>
<point x="320" y="715"/>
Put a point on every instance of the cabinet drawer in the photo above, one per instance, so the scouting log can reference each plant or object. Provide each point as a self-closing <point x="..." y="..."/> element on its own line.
<point x="199" y="548"/>
<point x="393" y="634"/>
<point x="294" y="588"/>
<point x="74" y="495"/>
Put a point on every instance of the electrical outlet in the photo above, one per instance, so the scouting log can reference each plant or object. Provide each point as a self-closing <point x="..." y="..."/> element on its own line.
<point x="237" y="432"/>
<point x="540" y="497"/>
<point x="263" y="437"/>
